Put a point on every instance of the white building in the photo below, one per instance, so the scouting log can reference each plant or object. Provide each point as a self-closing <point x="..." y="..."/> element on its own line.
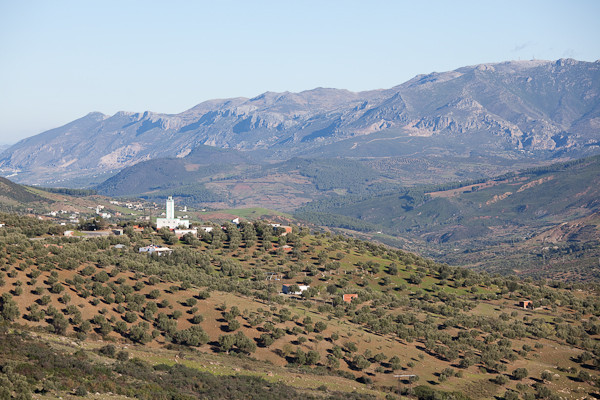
<point x="182" y="232"/>
<point x="155" y="249"/>
<point x="286" y="289"/>
<point x="170" y="221"/>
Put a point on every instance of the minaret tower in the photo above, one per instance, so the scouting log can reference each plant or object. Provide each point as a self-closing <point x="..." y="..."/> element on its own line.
<point x="170" y="208"/>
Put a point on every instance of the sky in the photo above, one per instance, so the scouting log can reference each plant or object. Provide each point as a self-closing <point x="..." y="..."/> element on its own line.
<point x="60" y="60"/>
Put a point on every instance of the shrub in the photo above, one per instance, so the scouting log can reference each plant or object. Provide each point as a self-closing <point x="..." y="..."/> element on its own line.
<point x="233" y="326"/>
<point x="520" y="373"/>
<point x="109" y="350"/>
<point x="9" y="310"/>
<point x="196" y="319"/>
<point x="122" y="356"/>
<point x="81" y="391"/>
<point x="320" y="327"/>
<point x="547" y="376"/>
<point x="130" y="316"/>
<point x="57" y="288"/>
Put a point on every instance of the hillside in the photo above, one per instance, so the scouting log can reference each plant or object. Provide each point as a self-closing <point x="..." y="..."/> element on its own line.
<point x="212" y="309"/>
<point x="460" y="222"/>
<point x="239" y="183"/>
<point x="518" y="110"/>
<point x="14" y="196"/>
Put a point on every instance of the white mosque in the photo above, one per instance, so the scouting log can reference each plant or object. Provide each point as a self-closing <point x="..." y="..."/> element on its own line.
<point x="170" y="221"/>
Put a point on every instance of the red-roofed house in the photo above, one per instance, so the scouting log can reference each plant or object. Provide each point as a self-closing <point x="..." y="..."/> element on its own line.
<point x="348" y="297"/>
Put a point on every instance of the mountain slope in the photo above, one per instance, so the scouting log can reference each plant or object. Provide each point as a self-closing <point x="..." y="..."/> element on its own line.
<point x="508" y="110"/>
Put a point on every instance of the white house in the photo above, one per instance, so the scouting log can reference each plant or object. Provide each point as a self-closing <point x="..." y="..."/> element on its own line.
<point x="285" y="289"/>
<point x="155" y="249"/>
<point x="182" y="232"/>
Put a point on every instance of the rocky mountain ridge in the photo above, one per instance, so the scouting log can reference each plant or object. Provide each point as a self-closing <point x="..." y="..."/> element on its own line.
<point x="519" y="106"/>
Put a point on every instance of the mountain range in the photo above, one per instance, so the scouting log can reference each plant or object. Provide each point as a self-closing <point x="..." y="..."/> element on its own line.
<point x="505" y="112"/>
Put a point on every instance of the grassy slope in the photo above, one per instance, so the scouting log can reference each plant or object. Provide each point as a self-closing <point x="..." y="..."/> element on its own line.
<point x="482" y="299"/>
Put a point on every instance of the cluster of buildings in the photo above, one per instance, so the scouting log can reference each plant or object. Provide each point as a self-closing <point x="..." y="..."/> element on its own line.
<point x="131" y="206"/>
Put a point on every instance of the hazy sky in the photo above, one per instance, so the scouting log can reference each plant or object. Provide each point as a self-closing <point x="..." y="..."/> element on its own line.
<point x="60" y="60"/>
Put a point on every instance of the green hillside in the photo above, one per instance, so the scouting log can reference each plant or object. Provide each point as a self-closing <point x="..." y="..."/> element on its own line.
<point x="16" y="197"/>
<point x="203" y="179"/>
<point x="471" y="215"/>
<point x="84" y="316"/>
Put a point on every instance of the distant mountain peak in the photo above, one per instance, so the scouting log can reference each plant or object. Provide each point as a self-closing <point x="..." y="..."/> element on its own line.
<point x="506" y="109"/>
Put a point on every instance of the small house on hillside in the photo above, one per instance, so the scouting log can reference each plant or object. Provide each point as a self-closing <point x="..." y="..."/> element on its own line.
<point x="68" y="233"/>
<point x="287" y="289"/>
<point x="525" y="304"/>
<point x="151" y="249"/>
<point x="348" y="297"/>
<point x="182" y="232"/>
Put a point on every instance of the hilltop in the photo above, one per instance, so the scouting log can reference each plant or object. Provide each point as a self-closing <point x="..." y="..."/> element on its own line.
<point x="213" y="306"/>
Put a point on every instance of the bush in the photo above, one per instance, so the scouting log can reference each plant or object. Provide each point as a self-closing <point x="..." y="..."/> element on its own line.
<point x="130" y="316"/>
<point x="9" y="310"/>
<point x="109" y="350"/>
<point x="320" y="327"/>
<point x="233" y="326"/>
<point x="194" y="336"/>
<point x="511" y="395"/>
<point x="547" y="376"/>
<point x="122" y="356"/>
<point x="520" y="373"/>
<point x="196" y="319"/>
<point x="81" y="391"/>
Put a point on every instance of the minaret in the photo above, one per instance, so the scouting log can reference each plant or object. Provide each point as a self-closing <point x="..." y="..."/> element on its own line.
<point x="170" y="208"/>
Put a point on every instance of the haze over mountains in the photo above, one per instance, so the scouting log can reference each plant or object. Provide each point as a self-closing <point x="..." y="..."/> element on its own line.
<point x="525" y="110"/>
